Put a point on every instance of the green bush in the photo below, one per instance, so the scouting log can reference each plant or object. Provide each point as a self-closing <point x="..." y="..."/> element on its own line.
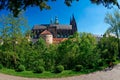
<point x="39" y="69"/>
<point x="59" y="69"/>
<point x="78" y="67"/>
<point x="20" y="68"/>
<point x="1" y="66"/>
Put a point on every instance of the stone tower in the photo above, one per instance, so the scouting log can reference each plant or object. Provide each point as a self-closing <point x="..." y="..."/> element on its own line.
<point x="47" y="36"/>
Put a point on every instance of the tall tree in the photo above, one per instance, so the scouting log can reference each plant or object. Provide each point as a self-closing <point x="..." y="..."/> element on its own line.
<point x="114" y="21"/>
<point x="107" y="47"/>
<point x="16" y="6"/>
<point x="12" y="27"/>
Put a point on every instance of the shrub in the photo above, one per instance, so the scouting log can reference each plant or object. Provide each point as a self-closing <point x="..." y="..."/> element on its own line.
<point x="1" y="66"/>
<point x="39" y="69"/>
<point x="78" y="67"/>
<point x="59" y="69"/>
<point x="20" y="68"/>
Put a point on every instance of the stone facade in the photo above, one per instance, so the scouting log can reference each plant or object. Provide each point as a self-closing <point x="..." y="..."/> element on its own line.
<point x="47" y="36"/>
<point x="56" y="29"/>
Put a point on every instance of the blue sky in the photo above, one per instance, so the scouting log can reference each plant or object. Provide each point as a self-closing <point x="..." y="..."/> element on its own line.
<point x="89" y="17"/>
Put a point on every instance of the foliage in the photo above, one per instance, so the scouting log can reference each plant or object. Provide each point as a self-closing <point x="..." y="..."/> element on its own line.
<point x="78" y="67"/>
<point x="80" y="48"/>
<point x="12" y="26"/>
<point x="1" y="66"/>
<point x="68" y="50"/>
<point x="108" y="49"/>
<point x="17" y="6"/>
<point x="38" y="69"/>
<point x="59" y="69"/>
<point x="87" y="55"/>
<point x="20" y="68"/>
<point x="114" y="21"/>
<point x="37" y="63"/>
<point x="50" y="56"/>
<point x="8" y="59"/>
<point x="106" y="3"/>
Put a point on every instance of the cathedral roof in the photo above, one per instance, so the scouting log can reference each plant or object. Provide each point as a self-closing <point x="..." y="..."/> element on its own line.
<point x="46" y="32"/>
<point x="39" y="27"/>
<point x="44" y="26"/>
<point x="64" y="27"/>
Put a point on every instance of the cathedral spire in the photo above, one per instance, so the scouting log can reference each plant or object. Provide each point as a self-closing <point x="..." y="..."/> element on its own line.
<point x="56" y="20"/>
<point x="73" y="18"/>
<point x="73" y="23"/>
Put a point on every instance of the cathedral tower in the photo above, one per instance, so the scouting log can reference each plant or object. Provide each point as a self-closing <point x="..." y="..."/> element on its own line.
<point x="74" y="24"/>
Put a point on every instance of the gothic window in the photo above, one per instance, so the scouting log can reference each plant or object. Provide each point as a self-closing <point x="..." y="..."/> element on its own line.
<point x="62" y="36"/>
<point x="58" y="35"/>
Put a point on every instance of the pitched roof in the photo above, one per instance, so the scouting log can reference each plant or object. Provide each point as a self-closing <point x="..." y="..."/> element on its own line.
<point x="46" y="32"/>
<point x="44" y="26"/>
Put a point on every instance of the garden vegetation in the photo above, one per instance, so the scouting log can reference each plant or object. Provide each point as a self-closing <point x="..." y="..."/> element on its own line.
<point x="81" y="52"/>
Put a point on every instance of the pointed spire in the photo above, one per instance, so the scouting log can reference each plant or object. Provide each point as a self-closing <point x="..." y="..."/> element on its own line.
<point x="74" y="24"/>
<point x="73" y="18"/>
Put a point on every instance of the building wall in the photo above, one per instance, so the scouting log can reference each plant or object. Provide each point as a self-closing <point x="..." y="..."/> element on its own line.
<point x="48" y="38"/>
<point x="57" y="33"/>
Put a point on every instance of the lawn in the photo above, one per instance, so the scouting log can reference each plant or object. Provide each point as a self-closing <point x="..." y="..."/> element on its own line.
<point x="45" y="74"/>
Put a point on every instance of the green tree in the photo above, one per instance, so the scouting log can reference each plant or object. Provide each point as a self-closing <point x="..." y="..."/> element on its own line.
<point x="50" y="57"/>
<point x="114" y="21"/>
<point x="87" y="56"/>
<point x="40" y="46"/>
<point x="68" y="50"/>
<point x="8" y="59"/>
<point x="33" y="55"/>
<point x="12" y="28"/>
<point x="79" y="49"/>
<point x="12" y="34"/>
<point x="108" y="50"/>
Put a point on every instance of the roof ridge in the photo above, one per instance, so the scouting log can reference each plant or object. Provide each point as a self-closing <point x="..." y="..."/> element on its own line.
<point x="46" y="32"/>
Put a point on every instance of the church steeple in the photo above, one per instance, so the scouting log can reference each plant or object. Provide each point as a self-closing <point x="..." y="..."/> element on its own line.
<point x="56" y="20"/>
<point x="73" y="23"/>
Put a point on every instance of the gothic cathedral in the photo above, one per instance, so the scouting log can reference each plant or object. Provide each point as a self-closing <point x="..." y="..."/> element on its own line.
<point x="56" y="29"/>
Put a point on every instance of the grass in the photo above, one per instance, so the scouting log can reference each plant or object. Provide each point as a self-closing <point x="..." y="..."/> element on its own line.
<point x="48" y="74"/>
<point x="45" y="74"/>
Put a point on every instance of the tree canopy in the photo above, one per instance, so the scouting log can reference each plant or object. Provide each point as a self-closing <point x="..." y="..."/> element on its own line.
<point x="114" y="21"/>
<point x="16" y="6"/>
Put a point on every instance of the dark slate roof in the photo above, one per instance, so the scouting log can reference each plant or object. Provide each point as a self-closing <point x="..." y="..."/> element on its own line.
<point x="64" y="26"/>
<point x="44" y="26"/>
<point x="39" y="27"/>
